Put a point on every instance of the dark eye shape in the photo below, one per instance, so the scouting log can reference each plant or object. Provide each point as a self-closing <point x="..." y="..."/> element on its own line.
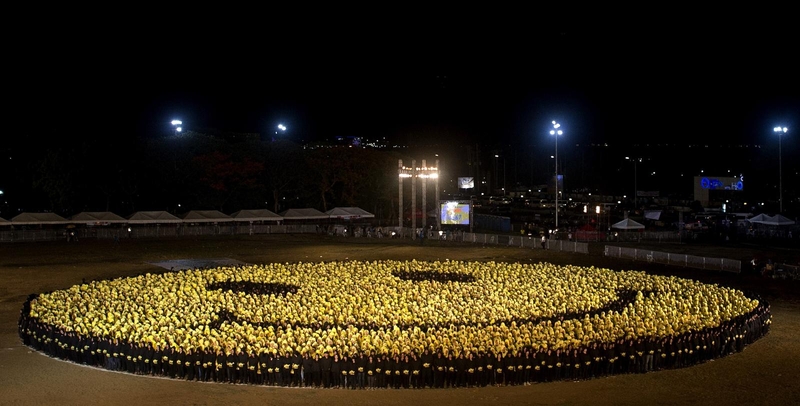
<point x="433" y="276"/>
<point x="255" y="288"/>
<point x="251" y="288"/>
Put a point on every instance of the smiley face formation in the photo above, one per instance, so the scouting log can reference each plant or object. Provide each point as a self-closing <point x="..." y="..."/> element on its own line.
<point x="387" y="308"/>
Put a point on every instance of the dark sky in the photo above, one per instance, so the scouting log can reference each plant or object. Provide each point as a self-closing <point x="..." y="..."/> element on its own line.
<point x="455" y="83"/>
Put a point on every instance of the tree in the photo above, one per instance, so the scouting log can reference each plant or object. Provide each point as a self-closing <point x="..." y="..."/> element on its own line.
<point x="54" y="175"/>
<point x="283" y="166"/>
<point x="224" y="175"/>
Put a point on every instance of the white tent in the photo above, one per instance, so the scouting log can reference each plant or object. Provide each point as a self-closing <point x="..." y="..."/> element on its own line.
<point x="652" y="214"/>
<point x="628" y="224"/>
<point x="760" y="219"/>
<point x="90" y="217"/>
<point x="38" y="218"/>
<point x="778" y="220"/>
<point x="152" y="217"/>
<point x="349" y="213"/>
<point x="303" y="214"/>
<point x="256" y="215"/>
<point x="206" y="216"/>
<point x="4" y="222"/>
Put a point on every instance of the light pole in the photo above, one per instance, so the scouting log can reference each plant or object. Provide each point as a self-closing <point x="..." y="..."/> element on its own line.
<point x="635" y="186"/>
<point x="780" y="131"/>
<point x="497" y="172"/>
<point x="556" y="132"/>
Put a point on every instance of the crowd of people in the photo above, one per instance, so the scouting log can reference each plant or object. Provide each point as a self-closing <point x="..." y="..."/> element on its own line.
<point x="403" y="324"/>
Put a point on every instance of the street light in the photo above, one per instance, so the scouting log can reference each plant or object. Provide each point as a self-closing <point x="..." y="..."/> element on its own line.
<point x="780" y="131"/>
<point x="556" y="132"/>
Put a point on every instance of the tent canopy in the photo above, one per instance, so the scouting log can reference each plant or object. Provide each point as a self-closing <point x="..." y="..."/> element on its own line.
<point x="4" y="221"/>
<point x="628" y="224"/>
<point x="303" y="214"/>
<point x="38" y="218"/>
<point x="256" y="215"/>
<point x="97" y="217"/>
<point x="778" y="220"/>
<point x="761" y="218"/>
<point x="152" y="217"/>
<point x="349" y="213"/>
<point x="206" y="216"/>
<point x="652" y="214"/>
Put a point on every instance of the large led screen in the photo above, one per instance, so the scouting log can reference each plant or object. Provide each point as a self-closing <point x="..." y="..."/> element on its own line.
<point x="455" y="213"/>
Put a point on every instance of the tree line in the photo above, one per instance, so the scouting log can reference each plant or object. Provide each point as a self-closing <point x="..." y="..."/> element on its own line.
<point x="197" y="171"/>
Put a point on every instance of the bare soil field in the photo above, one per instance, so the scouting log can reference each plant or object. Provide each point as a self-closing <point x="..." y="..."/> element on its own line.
<point x="765" y="373"/>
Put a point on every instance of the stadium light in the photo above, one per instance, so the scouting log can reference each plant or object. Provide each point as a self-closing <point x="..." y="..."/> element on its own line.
<point x="177" y="125"/>
<point x="780" y="131"/>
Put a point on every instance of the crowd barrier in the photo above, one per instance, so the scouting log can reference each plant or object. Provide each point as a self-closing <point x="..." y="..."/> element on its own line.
<point x="154" y="231"/>
<point x="173" y="230"/>
<point x="689" y="261"/>
<point x="629" y="236"/>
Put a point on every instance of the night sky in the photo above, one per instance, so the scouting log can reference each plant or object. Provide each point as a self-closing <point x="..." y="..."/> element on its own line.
<point x="664" y="84"/>
<point x="417" y="82"/>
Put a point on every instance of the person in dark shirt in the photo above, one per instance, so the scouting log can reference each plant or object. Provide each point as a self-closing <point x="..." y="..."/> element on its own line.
<point x="336" y="368"/>
<point x="316" y="371"/>
<point x="450" y="375"/>
<point x="188" y="365"/>
<point x="286" y="369"/>
<point x="307" y="375"/>
<point x="611" y="358"/>
<point x="251" y="367"/>
<point x="499" y="369"/>
<point x="415" y="363"/>
<point x="273" y="368"/>
<point x="230" y="366"/>
<point x="439" y="368"/>
<point x="394" y="371"/>
<point x="380" y="371"/>
<point x="361" y="370"/>
<point x="370" y="371"/>
<point x="597" y="358"/>
<point x="427" y="368"/>
<point x="527" y="366"/>
<point x="263" y="365"/>
<point x="471" y="365"/>
<point x="461" y="370"/>
<point x="352" y="367"/>
<point x="325" y="364"/>
<point x="405" y="372"/>
<point x="297" y="363"/>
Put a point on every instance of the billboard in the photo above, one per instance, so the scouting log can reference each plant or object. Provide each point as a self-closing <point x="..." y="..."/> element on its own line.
<point x="456" y="213"/>
<point x="721" y="183"/>
<point x="466" y="183"/>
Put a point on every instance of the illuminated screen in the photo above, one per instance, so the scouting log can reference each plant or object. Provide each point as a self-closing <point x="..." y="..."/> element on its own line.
<point x="466" y="183"/>
<point x="727" y="183"/>
<point x="455" y="213"/>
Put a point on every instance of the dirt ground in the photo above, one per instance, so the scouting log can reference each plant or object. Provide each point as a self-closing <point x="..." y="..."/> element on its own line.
<point x="766" y="373"/>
